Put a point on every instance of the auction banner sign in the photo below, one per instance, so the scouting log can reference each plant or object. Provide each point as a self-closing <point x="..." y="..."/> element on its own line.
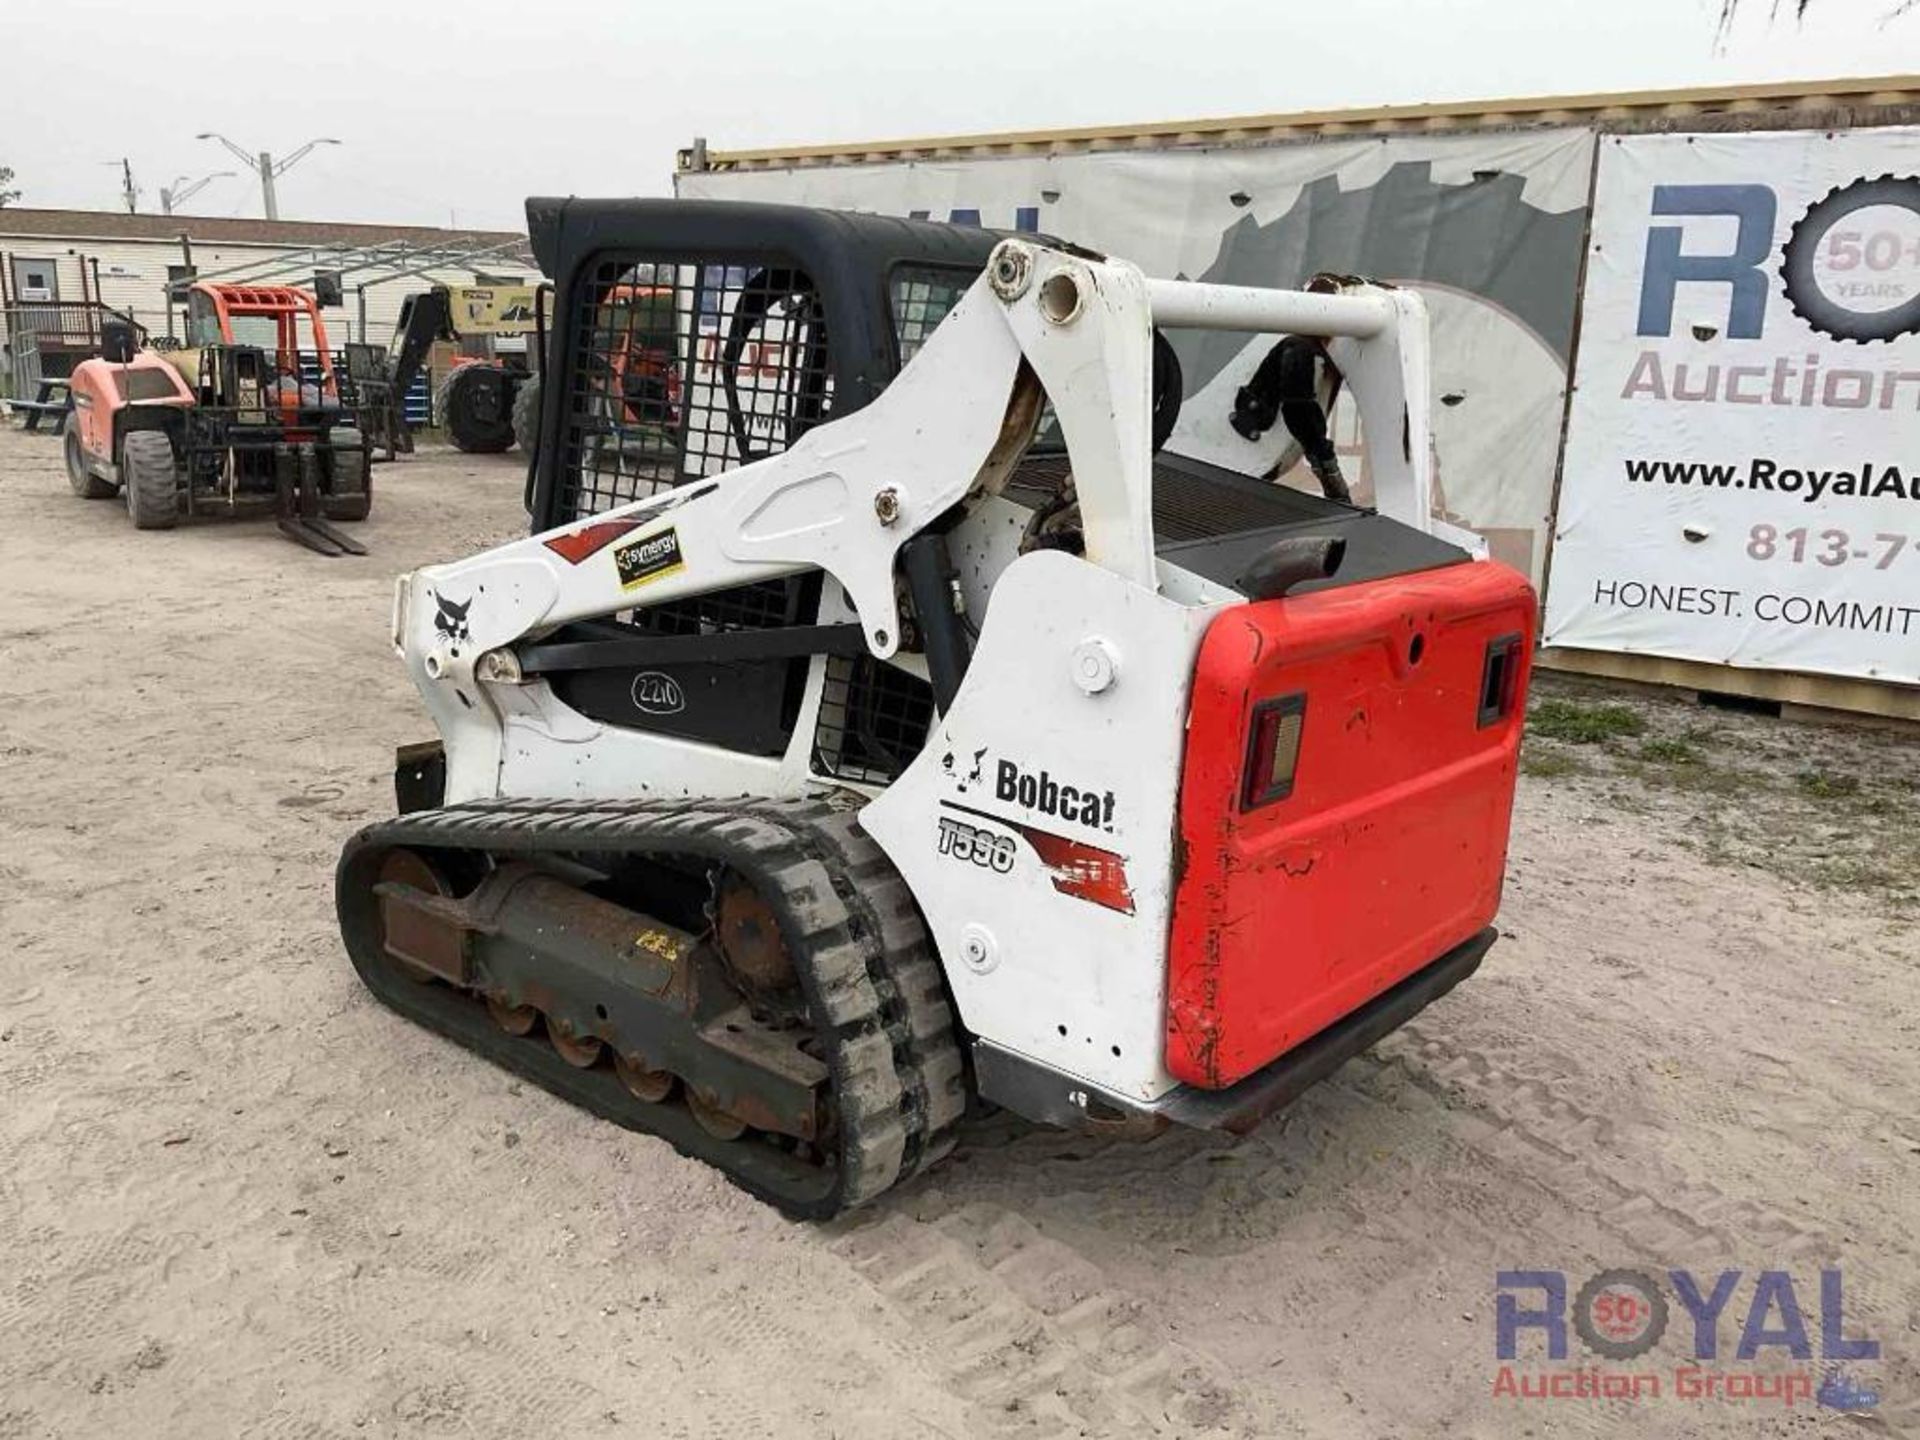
<point x="1488" y="228"/>
<point x="1742" y="474"/>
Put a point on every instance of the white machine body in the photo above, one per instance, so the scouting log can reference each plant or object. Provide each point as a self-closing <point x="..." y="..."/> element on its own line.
<point x="1070" y="719"/>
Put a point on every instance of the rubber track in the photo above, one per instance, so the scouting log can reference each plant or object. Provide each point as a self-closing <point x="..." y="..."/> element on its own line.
<point x="849" y="921"/>
<point x="913" y="989"/>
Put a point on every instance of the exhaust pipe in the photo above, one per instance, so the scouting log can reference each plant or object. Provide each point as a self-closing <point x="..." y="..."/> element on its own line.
<point x="1290" y="562"/>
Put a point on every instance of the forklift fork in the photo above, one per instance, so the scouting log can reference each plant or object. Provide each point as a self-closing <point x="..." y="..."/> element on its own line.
<point x="300" y="516"/>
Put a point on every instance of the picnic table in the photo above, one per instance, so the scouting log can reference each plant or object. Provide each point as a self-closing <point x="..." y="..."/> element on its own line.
<point x="44" y="405"/>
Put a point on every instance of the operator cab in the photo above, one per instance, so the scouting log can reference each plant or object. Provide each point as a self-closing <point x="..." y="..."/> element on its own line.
<point x="686" y="366"/>
<point x="267" y="342"/>
<point x="736" y="329"/>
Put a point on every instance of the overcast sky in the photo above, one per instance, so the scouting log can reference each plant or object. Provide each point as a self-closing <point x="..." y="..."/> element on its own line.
<point x="454" y="113"/>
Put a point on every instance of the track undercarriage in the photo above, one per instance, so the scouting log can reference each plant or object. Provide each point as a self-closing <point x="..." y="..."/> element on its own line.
<point x="750" y="983"/>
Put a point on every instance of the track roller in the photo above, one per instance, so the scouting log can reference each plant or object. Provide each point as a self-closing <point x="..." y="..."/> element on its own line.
<point x="721" y="1124"/>
<point x="514" y="1019"/>
<point x="643" y="1083"/>
<point x="580" y="1051"/>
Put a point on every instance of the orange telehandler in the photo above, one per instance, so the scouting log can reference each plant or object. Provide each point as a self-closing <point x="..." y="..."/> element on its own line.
<point x="247" y="415"/>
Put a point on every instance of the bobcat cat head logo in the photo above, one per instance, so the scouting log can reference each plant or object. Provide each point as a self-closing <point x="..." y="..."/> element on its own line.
<point x="451" y="620"/>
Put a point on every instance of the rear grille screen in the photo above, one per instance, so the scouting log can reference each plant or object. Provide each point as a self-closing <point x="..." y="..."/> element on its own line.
<point x="1191" y="500"/>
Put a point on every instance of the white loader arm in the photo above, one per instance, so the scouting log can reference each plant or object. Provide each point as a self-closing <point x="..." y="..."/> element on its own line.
<point x="849" y="493"/>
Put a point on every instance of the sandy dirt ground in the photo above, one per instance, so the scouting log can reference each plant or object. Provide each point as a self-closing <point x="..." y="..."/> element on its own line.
<point x="237" y="1197"/>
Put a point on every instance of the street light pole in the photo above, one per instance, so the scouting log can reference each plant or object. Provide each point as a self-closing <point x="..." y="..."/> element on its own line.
<point x="178" y="194"/>
<point x="266" y="167"/>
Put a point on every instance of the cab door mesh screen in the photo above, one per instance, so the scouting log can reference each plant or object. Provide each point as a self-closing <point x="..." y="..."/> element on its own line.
<point x="682" y="370"/>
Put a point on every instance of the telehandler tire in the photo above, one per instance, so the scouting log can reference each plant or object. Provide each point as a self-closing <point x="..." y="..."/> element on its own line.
<point x="353" y="466"/>
<point x="476" y="421"/>
<point x="85" y="483"/>
<point x="526" y="415"/>
<point x="153" y="491"/>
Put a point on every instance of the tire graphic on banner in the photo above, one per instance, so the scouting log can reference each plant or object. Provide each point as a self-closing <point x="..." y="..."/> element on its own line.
<point x="1500" y="374"/>
<point x="1868" y="253"/>
<point x="1483" y="239"/>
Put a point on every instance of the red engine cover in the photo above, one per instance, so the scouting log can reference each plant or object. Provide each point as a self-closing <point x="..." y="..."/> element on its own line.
<point x="1389" y="850"/>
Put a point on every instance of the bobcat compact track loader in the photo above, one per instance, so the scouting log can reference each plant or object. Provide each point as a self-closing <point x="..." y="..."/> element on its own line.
<point x="903" y="713"/>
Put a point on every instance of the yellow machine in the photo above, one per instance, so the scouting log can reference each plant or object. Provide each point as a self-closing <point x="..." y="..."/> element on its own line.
<point x="474" y="401"/>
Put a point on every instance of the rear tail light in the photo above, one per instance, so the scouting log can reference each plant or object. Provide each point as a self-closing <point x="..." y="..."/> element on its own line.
<point x="1497" y="679"/>
<point x="1273" y="750"/>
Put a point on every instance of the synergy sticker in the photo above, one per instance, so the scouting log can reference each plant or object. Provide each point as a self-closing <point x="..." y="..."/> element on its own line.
<point x="644" y="560"/>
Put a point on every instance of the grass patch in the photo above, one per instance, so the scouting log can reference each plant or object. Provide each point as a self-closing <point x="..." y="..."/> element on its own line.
<point x="1551" y="764"/>
<point x="1827" y="784"/>
<point x="1860" y="872"/>
<point x="1669" y="750"/>
<point x="1584" y="724"/>
<point x="1702" y="779"/>
<point x="1828" y="811"/>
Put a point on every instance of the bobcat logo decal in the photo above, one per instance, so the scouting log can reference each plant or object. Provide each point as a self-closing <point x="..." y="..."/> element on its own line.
<point x="451" y="619"/>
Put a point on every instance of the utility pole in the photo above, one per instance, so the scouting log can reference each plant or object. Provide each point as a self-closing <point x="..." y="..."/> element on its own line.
<point x="265" y="166"/>
<point x="129" y="192"/>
